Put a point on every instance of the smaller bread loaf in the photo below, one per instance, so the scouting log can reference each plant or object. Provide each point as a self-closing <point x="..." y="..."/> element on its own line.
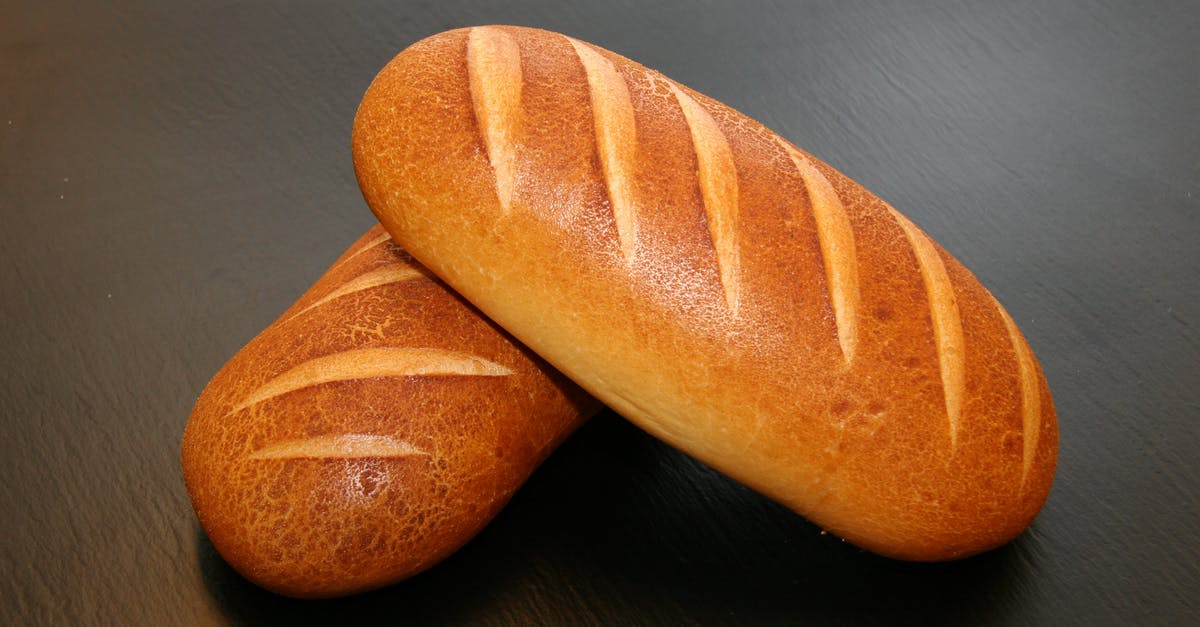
<point x="369" y="432"/>
<point x="715" y="284"/>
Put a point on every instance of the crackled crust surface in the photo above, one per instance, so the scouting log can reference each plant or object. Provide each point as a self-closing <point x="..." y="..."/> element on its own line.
<point x="373" y="429"/>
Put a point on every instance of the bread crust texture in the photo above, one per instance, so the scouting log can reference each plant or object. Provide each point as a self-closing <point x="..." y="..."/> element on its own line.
<point x="374" y="428"/>
<point x="723" y="289"/>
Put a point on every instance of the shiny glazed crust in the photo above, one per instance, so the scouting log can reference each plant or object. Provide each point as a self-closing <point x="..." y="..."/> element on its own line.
<point x="721" y="288"/>
<point x="368" y="433"/>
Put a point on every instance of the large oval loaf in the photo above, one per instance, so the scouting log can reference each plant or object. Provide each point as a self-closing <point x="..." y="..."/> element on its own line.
<point x="372" y="430"/>
<point x="724" y="290"/>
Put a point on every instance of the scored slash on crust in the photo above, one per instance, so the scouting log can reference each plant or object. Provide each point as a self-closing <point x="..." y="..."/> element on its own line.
<point x="381" y="238"/>
<point x="1031" y="400"/>
<point x="947" y="323"/>
<point x="836" y="239"/>
<point x="494" y="72"/>
<point x="383" y="276"/>
<point x="616" y="139"/>
<point x="718" y="179"/>
<point x="368" y="363"/>
<point x="339" y="446"/>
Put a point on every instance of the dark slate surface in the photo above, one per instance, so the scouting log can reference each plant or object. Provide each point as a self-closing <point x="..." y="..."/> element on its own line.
<point x="172" y="177"/>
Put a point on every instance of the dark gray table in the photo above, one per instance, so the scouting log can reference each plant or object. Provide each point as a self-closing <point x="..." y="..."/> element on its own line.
<point x="171" y="177"/>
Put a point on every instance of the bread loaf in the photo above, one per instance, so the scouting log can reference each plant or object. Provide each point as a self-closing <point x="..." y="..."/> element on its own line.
<point x="369" y="432"/>
<point x="713" y="283"/>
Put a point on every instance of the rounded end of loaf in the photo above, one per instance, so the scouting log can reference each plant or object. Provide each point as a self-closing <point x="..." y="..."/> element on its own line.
<point x="882" y="479"/>
<point x="937" y="485"/>
<point x="722" y="289"/>
<point x="962" y="514"/>
<point x="369" y="433"/>
<point x="313" y="531"/>
<point x="321" y="528"/>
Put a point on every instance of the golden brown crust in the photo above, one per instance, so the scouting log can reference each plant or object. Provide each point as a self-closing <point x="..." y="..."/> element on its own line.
<point x="735" y="296"/>
<point x="373" y="429"/>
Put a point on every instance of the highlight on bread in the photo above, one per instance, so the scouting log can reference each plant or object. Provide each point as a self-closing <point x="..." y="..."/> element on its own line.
<point x="369" y="432"/>
<point x="718" y="286"/>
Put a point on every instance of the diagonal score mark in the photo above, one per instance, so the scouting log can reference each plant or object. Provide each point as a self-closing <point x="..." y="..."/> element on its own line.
<point x="836" y="239"/>
<point x="386" y="275"/>
<point x="494" y="71"/>
<point x="947" y="323"/>
<point x="370" y="363"/>
<point x="616" y="139"/>
<point x="1031" y="402"/>
<point x="381" y="238"/>
<point x="718" y="179"/>
<point x="345" y="446"/>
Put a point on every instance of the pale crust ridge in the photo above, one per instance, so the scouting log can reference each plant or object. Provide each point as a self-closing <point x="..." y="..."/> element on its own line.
<point x="494" y="68"/>
<point x="616" y="139"/>
<point x="383" y="237"/>
<point x="339" y="446"/>
<point x="947" y="323"/>
<point x="837" y="250"/>
<point x="719" y="189"/>
<point x="1031" y="401"/>
<point x="375" y="278"/>
<point x="370" y="363"/>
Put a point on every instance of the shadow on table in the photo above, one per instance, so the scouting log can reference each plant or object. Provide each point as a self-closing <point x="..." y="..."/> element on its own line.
<point x="617" y="526"/>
